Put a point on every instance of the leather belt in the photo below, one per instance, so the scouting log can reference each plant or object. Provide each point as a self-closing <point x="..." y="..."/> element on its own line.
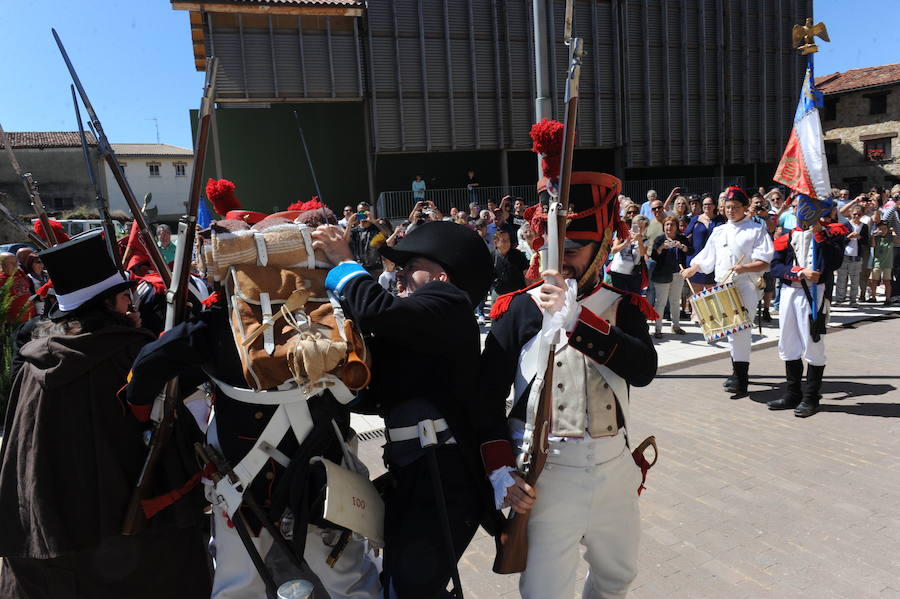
<point x="408" y="433"/>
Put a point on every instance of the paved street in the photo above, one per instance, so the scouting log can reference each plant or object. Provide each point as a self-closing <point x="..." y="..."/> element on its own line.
<point x="745" y="502"/>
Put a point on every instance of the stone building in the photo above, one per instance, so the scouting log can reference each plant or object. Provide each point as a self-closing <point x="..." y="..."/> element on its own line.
<point x="161" y="169"/>
<point x="861" y="122"/>
<point x="56" y="161"/>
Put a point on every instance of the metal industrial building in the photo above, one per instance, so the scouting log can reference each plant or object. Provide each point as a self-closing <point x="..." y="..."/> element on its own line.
<point x="393" y="88"/>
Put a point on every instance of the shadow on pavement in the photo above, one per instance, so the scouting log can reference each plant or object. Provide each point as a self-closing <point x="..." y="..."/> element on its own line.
<point x="881" y="410"/>
<point x="837" y="390"/>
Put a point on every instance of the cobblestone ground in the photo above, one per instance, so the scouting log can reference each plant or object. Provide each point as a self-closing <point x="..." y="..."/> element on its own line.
<point x="745" y="502"/>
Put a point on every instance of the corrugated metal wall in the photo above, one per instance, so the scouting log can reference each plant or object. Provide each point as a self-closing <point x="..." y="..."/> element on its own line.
<point x="674" y="82"/>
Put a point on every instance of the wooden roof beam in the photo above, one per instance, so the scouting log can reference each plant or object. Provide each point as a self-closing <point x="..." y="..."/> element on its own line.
<point x="295" y="10"/>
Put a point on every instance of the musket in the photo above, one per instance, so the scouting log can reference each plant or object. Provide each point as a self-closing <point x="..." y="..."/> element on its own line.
<point x="512" y="547"/>
<point x="102" y="206"/>
<point x="176" y="308"/>
<point x="109" y="156"/>
<point x="312" y="170"/>
<point x="34" y="237"/>
<point x="30" y="188"/>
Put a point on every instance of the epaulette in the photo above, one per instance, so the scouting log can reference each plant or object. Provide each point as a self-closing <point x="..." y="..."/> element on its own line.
<point x="212" y="299"/>
<point x="781" y="243"/>
<point x="635" y="299"/>
<point x="501" y="304"/>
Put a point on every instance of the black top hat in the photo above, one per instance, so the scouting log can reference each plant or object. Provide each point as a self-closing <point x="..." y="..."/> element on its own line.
<point x="83" y="273"/>
<point x="459" y="249"/>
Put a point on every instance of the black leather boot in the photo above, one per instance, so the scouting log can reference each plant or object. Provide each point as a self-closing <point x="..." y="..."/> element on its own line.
<point x="794" y="391"/>
<point x="811" y="395"/>
<point x="742" y="379"/>
<point x="731" y="380"/>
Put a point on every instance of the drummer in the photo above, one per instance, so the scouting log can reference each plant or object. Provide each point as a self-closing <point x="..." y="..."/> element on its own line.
<point x="743" y="247"/>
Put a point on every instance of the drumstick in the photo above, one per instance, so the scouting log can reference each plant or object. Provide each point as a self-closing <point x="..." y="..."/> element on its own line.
<point x="731" y="272"/>
<point x="690" y="285"/>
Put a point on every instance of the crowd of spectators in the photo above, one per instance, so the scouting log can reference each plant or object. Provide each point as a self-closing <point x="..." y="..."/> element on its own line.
<point x="663" y="236"/>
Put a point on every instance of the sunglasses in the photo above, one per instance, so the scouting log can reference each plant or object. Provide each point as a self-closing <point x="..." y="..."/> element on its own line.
<point x="657" y="209"/>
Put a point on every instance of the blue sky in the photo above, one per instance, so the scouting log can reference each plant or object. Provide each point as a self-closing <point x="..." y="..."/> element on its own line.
<point x="135" y="60"/>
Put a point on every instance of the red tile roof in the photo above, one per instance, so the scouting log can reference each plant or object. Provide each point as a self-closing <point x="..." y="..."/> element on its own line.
<point x="48" y="139"/>
<point x="859" y="78"/>
<point x="344" y="3"/>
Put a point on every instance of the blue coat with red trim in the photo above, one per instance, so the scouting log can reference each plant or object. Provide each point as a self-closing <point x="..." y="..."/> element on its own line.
<point x="831" y="240"/>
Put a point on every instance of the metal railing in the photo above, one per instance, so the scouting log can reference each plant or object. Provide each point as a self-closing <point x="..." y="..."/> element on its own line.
<point x="637" y="190"/>
<point x="398" y="204"/>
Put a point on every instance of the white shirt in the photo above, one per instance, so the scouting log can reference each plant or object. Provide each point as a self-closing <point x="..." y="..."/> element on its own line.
<point x="745" y="240"/>
<point x="852" y="247"/>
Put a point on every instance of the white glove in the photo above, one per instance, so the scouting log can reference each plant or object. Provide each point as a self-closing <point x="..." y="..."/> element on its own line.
<point x="565" y="318"/>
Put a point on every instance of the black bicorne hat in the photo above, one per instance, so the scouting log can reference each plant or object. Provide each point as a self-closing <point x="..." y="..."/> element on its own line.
<point x="460" y="250"/>
<point x="83" y="273"/>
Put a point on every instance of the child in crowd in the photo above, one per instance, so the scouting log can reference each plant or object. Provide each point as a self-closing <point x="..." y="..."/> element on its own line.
<point x="882" y="260"/>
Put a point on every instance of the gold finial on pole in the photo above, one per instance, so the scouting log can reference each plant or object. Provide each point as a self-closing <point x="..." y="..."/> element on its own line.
<point x="803" y="36"/>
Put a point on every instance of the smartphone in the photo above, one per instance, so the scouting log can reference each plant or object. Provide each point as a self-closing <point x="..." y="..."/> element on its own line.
<point x="635" y="228"/>
<point x="361" y="216"/>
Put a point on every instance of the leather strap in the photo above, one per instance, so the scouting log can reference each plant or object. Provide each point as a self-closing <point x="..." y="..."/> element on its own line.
<point x="408" y="433"/>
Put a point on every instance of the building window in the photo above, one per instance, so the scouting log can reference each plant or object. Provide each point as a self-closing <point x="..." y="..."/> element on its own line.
<point x="877" y="103"/>
<point x="179" y="169"/>
<point x="831" y="152"/>
<point x="154" y="169"/>
<point x="830" y="109"/>
<point x="877" y="149"/>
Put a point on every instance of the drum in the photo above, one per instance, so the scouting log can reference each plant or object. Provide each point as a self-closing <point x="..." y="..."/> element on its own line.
<point x="720" y="312"/>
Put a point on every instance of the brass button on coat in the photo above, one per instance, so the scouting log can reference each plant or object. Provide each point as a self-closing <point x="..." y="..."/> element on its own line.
<point x="258" y="415"/>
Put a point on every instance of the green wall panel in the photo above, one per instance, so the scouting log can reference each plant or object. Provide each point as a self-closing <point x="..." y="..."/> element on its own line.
<point x="262" y="154"/>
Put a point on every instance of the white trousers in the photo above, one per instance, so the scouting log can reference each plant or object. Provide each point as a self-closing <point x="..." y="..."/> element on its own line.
<point x="793" y="321"/>
<point x="671" y="293"/>
<point x="354" y="576"/>
<point x="582" y="502"/>
<point x="848" y="270"/>
<point x="740" y="345"/>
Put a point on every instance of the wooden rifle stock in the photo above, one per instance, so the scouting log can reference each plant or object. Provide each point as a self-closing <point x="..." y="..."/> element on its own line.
<point x="512" y="547"/>
<point x="135" y="519"/>
<point x="176" y="297"/>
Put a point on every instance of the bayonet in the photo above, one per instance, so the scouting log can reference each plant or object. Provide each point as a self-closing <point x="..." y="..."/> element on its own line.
<point x="312" y="170"/>
<point x="109" y="229"/>
<point x="118" y="173"/>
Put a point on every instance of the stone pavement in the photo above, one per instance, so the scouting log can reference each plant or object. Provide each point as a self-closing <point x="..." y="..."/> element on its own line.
<point x="745" y="502"/>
